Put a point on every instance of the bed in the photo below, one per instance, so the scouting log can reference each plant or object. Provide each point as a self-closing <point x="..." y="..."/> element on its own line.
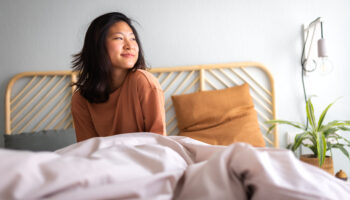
<point x="37" y="101"/>
<point x="147" y="165"/>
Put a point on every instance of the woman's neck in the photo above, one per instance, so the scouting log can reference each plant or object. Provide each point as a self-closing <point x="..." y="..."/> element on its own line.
<point x="119" y="76"/>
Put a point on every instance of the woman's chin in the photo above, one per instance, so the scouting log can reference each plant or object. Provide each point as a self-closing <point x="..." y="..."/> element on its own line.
<point x="125" y="66"/>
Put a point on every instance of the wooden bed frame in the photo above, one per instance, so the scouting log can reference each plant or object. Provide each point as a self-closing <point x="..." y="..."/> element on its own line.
<point x="41" y="100"/>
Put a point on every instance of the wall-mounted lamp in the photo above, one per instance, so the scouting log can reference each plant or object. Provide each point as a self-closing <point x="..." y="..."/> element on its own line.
<point x="309" y="64"/>
<point x="308" y="61"/>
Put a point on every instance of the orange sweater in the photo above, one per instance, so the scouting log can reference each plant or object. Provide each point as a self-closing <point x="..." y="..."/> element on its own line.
<point x="137" y="106"/>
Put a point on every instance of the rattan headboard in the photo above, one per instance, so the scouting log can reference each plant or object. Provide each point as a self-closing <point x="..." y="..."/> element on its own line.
<point x="41" y="100"/>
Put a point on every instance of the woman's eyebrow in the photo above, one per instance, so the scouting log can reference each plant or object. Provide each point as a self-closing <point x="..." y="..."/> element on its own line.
<point x="130" y="33"/>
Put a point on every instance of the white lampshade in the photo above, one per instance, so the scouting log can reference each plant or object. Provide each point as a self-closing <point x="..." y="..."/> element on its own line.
<point x="321" y="46"/>
<point x="324" y="65"/>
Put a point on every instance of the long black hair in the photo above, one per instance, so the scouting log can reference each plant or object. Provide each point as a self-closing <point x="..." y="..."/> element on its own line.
<point x="93" y="62"/>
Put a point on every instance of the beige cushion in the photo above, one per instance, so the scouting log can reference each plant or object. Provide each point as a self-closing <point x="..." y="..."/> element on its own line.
<point x="219" y="117"/>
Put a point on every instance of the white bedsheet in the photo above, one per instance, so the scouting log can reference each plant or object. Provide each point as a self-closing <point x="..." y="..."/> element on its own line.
<point x="150" y="166"/>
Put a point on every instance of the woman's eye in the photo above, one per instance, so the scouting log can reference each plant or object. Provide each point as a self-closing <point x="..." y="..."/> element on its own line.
<point x="118" y="38"/>
<point x="134" y="39"/>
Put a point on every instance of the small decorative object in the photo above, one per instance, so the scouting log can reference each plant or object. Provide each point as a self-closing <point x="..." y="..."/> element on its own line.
<point x="341" y="175"/>
<point x="319" y="137"/>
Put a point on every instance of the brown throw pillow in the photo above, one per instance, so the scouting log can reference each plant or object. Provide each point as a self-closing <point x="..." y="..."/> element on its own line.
<point x="219" y="117"/>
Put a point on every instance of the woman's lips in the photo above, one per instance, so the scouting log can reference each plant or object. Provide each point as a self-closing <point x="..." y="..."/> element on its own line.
<point x="128" y="55"/>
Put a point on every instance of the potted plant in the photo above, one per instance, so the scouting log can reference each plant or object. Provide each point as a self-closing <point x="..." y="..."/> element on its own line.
<point x="319" y="137"/>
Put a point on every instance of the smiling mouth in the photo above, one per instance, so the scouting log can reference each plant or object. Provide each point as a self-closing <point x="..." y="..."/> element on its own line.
<point x="127" y="55"/>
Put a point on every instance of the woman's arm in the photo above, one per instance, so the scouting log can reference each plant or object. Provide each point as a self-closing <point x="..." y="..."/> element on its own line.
<point x="151" y="98"/>
<point x="152" y="105"/>
<point x="84" y="128"/>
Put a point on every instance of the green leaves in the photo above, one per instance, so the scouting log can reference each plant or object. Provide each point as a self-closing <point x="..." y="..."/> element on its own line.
<point x="319" y="137"/>
<point x="310" y="113"/>
<point x="298" y="140"/>
<point x="330" y="131"/>
<point x="342" y="149"/>
<point x="321" y="147"/>
<point x="322" y="116"/>
<point x="343" y="128"/>
<point x="274" y="122"/>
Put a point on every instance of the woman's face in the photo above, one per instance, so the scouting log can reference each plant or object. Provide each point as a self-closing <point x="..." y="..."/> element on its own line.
<point x="121" y="45"/>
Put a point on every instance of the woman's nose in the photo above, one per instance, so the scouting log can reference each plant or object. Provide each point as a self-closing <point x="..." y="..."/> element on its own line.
<point x="127" y="44"/>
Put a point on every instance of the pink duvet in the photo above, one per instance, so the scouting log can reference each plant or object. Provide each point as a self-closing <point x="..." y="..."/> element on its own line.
<point x="150" y="166"/>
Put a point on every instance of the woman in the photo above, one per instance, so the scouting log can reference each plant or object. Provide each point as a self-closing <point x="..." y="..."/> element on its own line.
<point x="114" y="92"/>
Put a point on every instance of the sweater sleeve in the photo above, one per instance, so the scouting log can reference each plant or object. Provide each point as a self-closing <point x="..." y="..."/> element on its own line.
<point x="152" y="105"/>
<point x="84" y="128"/>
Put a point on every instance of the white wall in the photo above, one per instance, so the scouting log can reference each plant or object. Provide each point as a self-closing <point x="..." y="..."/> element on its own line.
<point x="43" y="34"/>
